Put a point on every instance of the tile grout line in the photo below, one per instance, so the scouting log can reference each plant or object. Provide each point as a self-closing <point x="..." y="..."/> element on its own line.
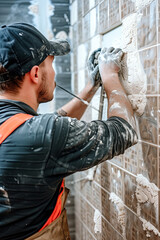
<point x="84" y="198"/>
<point x="85" y="226"/>
<point x="121" y="168"/>
<point x="147" y="48"/>
<point x="152" y="144"/>
<point x="124" y="170"/>
<point x="118" y="196"/>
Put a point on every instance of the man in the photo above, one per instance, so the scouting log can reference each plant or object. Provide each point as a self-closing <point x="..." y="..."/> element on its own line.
<point x="38" y="151"/>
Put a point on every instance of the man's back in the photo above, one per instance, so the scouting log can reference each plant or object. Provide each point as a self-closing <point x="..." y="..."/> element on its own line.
<point x="26" y="199"/>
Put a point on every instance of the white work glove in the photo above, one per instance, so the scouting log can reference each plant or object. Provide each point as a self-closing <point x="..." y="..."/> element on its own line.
<point x="110" y="60"/>
<point x="93" y="68"/>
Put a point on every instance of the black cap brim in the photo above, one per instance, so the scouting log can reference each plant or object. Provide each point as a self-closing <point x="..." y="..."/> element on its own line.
<point x="59" y="47"/>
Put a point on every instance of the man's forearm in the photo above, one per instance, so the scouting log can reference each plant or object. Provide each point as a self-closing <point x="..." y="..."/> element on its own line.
<point x="75" y="108"/>
<point x="118" y="103"/>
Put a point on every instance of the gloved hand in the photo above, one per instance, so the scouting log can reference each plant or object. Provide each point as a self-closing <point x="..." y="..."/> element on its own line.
<point x="93" y="68"/>
<point x="109" y="60"/>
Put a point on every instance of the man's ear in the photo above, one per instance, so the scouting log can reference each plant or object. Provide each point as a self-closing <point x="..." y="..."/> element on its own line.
<point x="34" y="74"/>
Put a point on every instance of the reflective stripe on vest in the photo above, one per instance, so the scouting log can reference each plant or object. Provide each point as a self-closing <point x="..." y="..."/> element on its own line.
<point x="11" y="124"/>
<point x="6" y="129"/>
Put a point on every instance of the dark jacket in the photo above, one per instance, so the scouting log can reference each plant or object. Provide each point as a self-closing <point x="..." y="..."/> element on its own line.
<point x="40" y="153"/>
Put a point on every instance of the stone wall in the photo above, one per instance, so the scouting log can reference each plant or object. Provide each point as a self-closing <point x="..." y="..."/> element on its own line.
<point x="120" y="203"/>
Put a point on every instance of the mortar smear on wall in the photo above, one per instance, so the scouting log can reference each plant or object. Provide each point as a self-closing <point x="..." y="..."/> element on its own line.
<point x="97" y="221"/>
<point x="146" y="192"/>
<point x="141" y="3"/>
<point x="132" y="75"/>
<point x="120" y="209"/>
<point x="148" y="227"/>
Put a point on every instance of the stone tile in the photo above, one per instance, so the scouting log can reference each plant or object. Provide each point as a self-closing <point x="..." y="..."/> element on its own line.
<point x="127" y="7"/>
<point x="84" y="211"/>
<point x="108" y="233"/>
<point x="148" y="210"/>
<point x="110" y="213"/>
<point x="103" y="16"/>
<point x="106" y="208"/>
<point x="105" y="175"/>
<point x="130" y="185"/>
<point x="130" y="158"/>
<point x="78" y="228"/>
<point x="114" y="13"/>
<point x="158" y="159"/>
<point x="77" y="177"/>
<point x="134" y="228"/>
<point x="79" y="9"/>
<point x="148" y="121"/>
<point x="97" y="201"/>
<point x="143" y="234"/>
<point x="96" y="42"/>
<point x="116" y="181"/>
<point x="92" y="192"/>
<point x="80" y="32"/>
<point x="74" y="82"/>
<point x="93" y="22"/>
<point x="77" y="204"/>
<point x="143" y="158"/>
<point x="98" y="174"/>
<point x="93" y="3"/>
<point x="74" y="61"/>
<point x="74" y="40"/>
<point x="83" y="232"/>
<point x="158" y="65"/>
<point x="114" y="214"/>
<point x="82" y="57"/>
<point x="86" y="27"/>
<point x="85" y="6"/>
<point x="74" y="12"/>
<point x="149" y="63"/>
<point x="146" y="26"/>
<point x="149" y="214"/>
<point x="118" y="160"/>
<point x="148" y="162"/>
<point x="88" y="213"/>
<point x="159" y="208"/>
<point x="158" y="21"/>
<point x="89" y="236"/>
<point x="131" y="226"/>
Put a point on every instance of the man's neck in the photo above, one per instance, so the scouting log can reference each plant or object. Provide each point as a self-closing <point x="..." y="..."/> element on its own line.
<point x="29" y="101"/>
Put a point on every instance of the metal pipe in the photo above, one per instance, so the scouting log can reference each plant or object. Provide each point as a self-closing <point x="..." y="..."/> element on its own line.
<point x="85" y="102"/>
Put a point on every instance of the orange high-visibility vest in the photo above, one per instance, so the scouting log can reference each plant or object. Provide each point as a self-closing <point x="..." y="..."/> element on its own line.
<point x="58" y="208"/>
<point x="6" y="129"/>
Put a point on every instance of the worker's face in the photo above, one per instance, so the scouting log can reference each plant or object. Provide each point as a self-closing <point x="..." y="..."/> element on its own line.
<point x="47" y="85"/>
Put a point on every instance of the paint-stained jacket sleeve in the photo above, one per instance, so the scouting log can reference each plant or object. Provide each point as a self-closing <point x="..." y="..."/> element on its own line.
<point x="88" y="144"/>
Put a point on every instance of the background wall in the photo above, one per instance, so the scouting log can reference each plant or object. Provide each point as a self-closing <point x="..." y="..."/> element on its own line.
<point x="122" y="200"/>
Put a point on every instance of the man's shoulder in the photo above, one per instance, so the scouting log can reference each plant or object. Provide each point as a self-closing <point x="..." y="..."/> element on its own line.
<point x="37" y="130"/>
